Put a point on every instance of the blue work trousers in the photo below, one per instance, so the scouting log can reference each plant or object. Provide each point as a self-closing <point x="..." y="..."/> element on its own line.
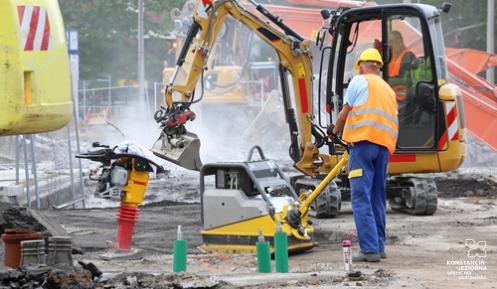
<point x="368" y="173"/>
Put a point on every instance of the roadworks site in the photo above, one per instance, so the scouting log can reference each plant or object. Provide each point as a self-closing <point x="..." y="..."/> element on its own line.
<point x="423" y="251"/>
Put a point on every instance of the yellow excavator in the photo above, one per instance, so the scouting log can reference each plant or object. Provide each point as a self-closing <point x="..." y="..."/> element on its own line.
<point x="239" y="78"/>
<point x="253" y="196"/>
<point x="431" y="137"/>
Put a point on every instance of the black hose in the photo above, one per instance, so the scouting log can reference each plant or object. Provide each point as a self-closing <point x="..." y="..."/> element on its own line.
<point x="259" y="150"/>
<point x="192" y="32"/>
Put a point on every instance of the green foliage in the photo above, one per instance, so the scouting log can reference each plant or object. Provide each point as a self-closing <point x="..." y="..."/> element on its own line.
<point x="108" y="35"/>
<point x="108" y="32"/>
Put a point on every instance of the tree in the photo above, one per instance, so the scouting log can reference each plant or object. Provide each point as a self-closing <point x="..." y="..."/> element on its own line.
<point x="108" y="35"/>
<point x="108" y="32"/>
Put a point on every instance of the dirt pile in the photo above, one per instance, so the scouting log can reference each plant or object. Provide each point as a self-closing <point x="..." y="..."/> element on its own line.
<point x="359" y="278"/>
<point x="41" y="276"/>
<point x="17" y="217"/>
<point x="466" y="187"/>
<point x="3" y="207"/>
<point x="164" y="281"/>
<point x="479" y="154"/>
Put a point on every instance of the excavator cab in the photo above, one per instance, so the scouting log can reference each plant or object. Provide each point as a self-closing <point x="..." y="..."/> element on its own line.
<point x="431" y="118"/>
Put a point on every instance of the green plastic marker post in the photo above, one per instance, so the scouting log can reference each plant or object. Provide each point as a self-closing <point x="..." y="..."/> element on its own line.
<point x="263" y="254"/>
<point x="180" y="250"/>
<point x="280" y="249"/>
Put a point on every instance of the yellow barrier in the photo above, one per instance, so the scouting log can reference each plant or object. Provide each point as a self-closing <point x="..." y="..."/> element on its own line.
<point x="34" y="68"/>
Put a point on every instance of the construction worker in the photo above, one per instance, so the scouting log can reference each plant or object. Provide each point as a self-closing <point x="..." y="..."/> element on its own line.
<point x="370" y="125"/>
<point x="403" y="61"/>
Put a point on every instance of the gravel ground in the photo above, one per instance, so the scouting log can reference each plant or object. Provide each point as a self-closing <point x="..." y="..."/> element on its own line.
<point x="479" y="155"/>
<point x="466" y="185"/>
<point x="423" y="252"/>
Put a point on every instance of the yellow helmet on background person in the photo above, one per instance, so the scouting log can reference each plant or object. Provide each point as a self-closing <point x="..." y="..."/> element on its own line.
<point x="371" y="55"/>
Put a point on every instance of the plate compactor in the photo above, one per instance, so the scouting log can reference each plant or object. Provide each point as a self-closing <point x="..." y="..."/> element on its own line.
<point x="255" y="195"/>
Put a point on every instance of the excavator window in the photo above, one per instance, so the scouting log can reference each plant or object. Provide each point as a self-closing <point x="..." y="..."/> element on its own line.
<point x="436" y="33"/>
<point x="408" y="68"/>
<point x="363" y="34"/>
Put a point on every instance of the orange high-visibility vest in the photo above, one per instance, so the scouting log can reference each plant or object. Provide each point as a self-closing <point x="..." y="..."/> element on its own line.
<point x="394" y="71"/>
<point x="400" y="92"/>
<point x="394" y="66"/>
<point x="376" y="120"/>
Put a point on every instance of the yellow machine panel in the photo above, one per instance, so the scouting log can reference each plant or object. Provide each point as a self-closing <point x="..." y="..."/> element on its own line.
<point x="34" y="71"/>
<point x="135" y="189"/>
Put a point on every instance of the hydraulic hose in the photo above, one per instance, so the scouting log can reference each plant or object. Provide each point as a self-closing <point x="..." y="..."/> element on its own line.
<point x="192" y="32"/>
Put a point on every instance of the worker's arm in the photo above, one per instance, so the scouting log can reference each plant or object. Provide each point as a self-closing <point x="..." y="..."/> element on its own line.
<point x="357" y="93"/>
<point x="342" y="117"/>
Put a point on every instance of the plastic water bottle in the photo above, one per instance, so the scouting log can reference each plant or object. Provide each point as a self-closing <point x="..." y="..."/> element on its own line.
<point x="263" y="250"/>
<point x="179" y="252"/>
<point x="347" y="255"/>
<point x="280" y="249"/>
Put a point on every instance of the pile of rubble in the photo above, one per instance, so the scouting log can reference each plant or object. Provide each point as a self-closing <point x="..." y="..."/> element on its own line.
<point x="42" y="276"/>
<point x="455" y="185"/>
<point x="164" y="281"/>
<point x="89" y="277"/>
<point x="479" y="154"/>
<point x="19" y="217"/>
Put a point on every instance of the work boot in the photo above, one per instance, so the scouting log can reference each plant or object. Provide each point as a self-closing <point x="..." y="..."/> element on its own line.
<point x="366" y="257"/>
<point x="383" y="255"/>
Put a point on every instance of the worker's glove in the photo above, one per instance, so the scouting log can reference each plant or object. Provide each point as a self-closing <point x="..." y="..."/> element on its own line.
<point x="329" y="130"/>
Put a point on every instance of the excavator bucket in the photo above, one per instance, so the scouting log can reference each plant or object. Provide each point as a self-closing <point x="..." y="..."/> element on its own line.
<point x="183" y="150"/>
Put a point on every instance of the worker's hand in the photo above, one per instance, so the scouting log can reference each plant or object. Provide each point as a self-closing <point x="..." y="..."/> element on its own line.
<point x="331" y="130"/>
<point x="335" y="131"/>
<point x="377" y="45"/>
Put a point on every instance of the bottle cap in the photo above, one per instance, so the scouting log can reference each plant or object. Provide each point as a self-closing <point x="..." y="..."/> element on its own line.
<point x="179" y="235"/>
<point x="346" y="243"/>
<point x="261" y="237"/>
<point x="278" y="226"/>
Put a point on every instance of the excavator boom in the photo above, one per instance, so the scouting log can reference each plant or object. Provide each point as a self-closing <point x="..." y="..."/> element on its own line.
<point x="295" y="68"/>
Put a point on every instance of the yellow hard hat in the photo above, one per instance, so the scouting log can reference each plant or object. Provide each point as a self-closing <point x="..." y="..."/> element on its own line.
<point x="370" y="54"/>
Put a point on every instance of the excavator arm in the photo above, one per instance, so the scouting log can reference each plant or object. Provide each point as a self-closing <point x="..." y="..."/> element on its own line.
<point x="181" y="147"/>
